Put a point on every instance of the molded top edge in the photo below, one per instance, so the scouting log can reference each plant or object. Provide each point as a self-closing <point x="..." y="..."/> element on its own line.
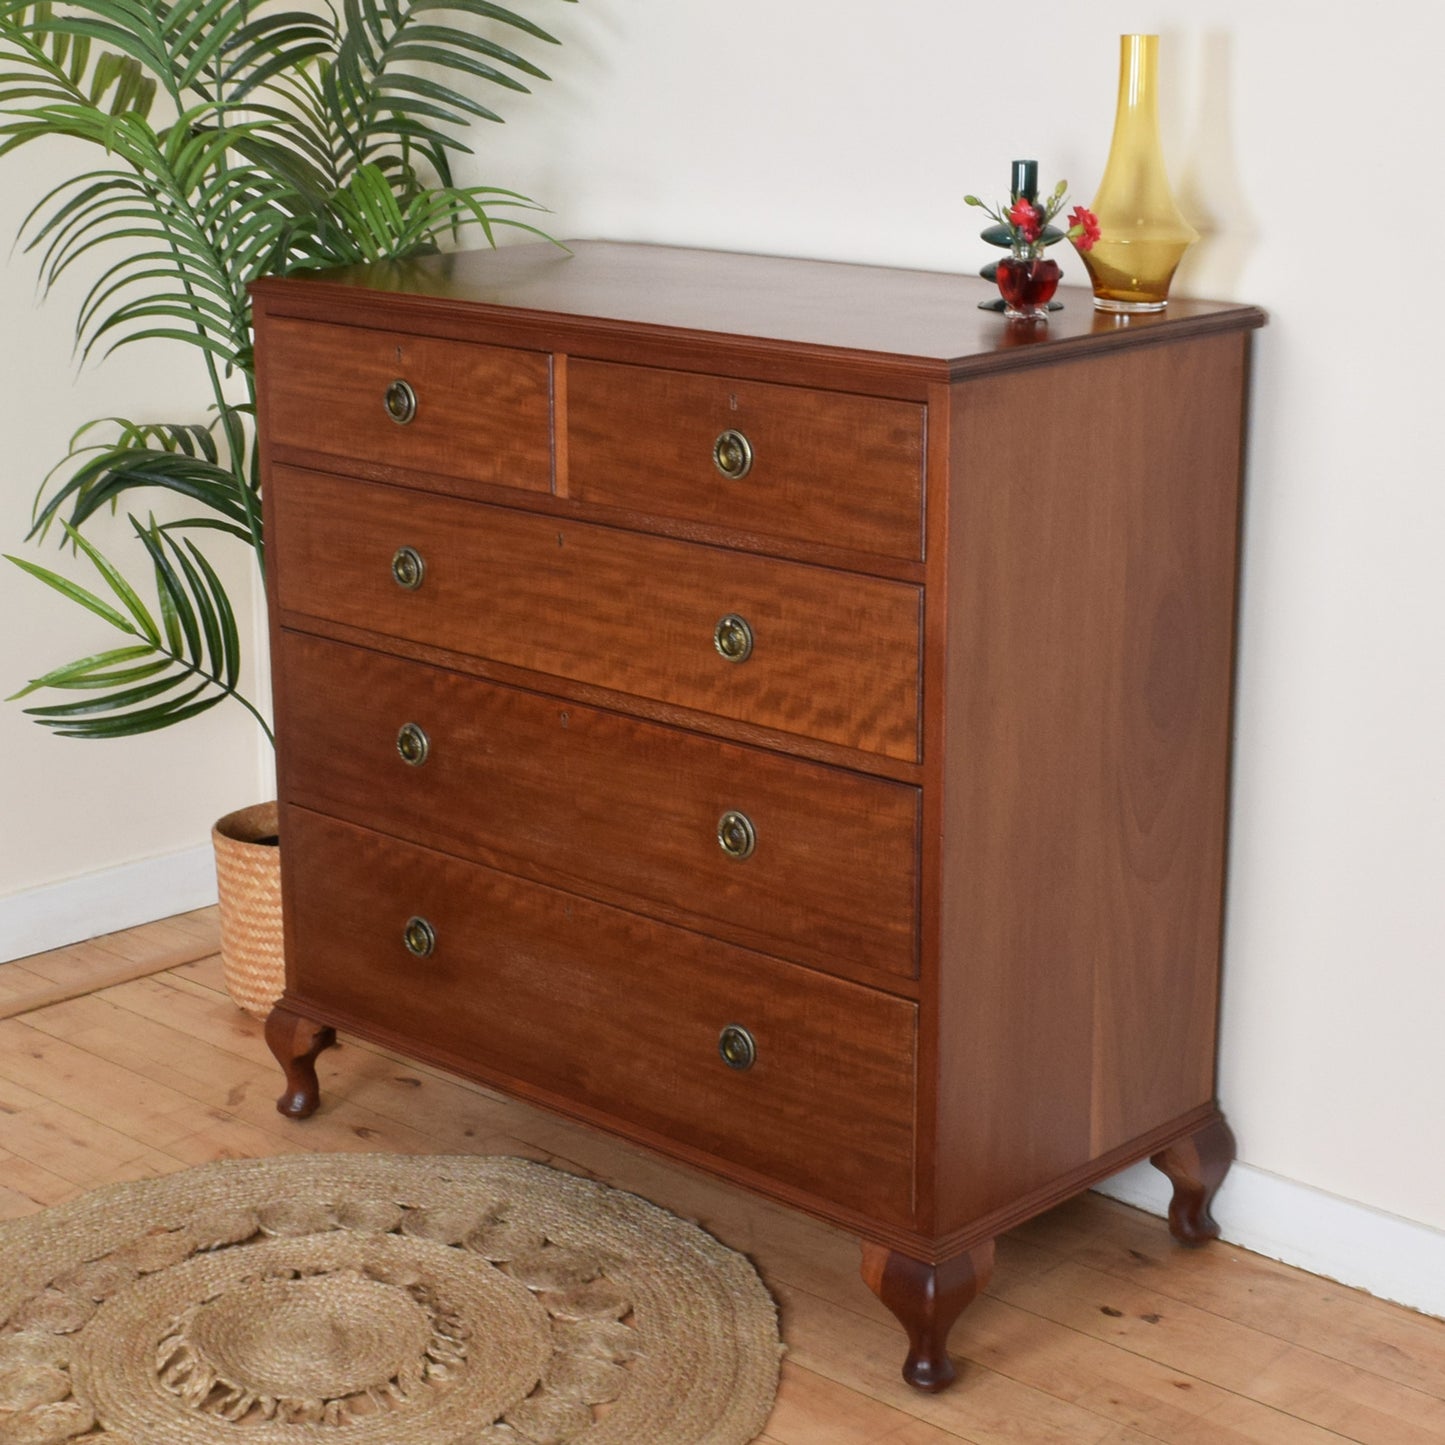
<point x="931" y="319"/>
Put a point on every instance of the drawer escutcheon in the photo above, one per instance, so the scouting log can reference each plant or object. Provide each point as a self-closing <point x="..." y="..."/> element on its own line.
<point x="732" y="455"/>
<point x="413" y="744"/>
<point x="400" y="402"/>
<point x="733" y="638"/>
<point x="737" y="1048"/>
<point x="420" y="937"/>
<point x="736" y="835"/>
<point x="408" y="568"/>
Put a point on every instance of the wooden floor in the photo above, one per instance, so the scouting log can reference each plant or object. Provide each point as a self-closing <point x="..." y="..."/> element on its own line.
<point x="1097" y="1329"/>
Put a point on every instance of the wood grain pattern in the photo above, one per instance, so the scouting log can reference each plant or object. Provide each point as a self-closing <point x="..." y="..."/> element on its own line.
<point x="567" y="996"/>
<point x="1196" y="1167"/>
<point x="602" y="803"/>
<point x="927" y="1300"/>
<point x="1055" y="673"/>
<point x="484" y="413"/>
<point x="868" y="320"/>
<point x="296" y="1042"/>
<point x="1089" y="660"/>
<point x="825" y="465"/>
<point x="618" y="609"/>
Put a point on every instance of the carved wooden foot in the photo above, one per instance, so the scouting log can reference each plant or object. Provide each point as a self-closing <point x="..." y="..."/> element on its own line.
<point x="1196" y="1167"/>
<point x="927" y="1299"/>
<point x="296" y="1041"/>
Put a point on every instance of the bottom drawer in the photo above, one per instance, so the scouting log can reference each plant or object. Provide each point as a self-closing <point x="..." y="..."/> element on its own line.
<point x="600" y="1007"/>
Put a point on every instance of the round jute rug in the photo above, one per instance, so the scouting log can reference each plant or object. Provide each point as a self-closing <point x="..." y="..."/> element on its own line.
<point x="377" y="1300"/>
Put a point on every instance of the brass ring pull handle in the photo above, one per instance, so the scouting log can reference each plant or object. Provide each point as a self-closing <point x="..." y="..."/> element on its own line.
<point x="413" y="745"/>
<point x="733" y="638"/>
<point x="400" y="402"/>
<point x="407" y="568"/>
<point x="737" y="1048"/>
<point x="732" y="455"/>
<point x="736" y="835"/>
<point x="420" y="937"/>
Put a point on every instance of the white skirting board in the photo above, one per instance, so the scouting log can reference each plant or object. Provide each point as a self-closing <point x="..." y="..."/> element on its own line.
<point x="1392" y="1258"/>
<point x="79" y="908"/>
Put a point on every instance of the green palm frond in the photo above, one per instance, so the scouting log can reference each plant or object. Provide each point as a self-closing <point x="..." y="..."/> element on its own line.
<point x="374" y="95"/>
<point x="56" y="68"/>
<point x="370" y="223"/>
<point x="186" y="658"/>
<point x="237" y="139"/>
<point x="181" y="458"/>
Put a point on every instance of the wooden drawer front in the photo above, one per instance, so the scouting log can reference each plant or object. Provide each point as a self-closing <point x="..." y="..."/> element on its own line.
<point x="594" y="799"/>
<point x="609" y="1010"/>
<point x="483" y="413"/>
<point x="835" y="655"/>
<point x="826" y="467"/>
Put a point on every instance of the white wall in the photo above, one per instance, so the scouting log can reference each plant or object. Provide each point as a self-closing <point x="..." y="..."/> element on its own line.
<point x="72" y="811"/>
<point x="833" y="128"/>
<point x="1306" y="147"/>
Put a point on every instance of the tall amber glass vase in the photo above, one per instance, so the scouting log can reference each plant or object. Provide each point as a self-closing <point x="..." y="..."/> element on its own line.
<point x="1143" y="235"/>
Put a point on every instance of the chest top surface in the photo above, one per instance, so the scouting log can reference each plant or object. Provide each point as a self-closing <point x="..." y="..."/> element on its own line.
<point x="929" y="319"/>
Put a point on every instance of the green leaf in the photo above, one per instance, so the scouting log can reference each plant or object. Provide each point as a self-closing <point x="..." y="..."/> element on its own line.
<point x="74" y="591"/>
<point x="112" y="677"/>
<point x="84" y="671"/>
<point x="236" y="140"/>
<point x="147" y="720"/>
<point x="179" y="614"/>
<point x="122" y="698"/>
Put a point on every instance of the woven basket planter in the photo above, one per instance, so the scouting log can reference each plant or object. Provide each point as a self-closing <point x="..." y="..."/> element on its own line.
<point x="248" y="881"/>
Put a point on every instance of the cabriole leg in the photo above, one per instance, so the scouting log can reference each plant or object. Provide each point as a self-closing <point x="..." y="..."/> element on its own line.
<point x="296" y="1041"/>
<point x="1196" y="1167"/>
<point x="927" y="1299"/>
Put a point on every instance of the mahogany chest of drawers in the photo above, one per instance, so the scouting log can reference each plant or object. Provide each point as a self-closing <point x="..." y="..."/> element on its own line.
<point x="772" y="710"/>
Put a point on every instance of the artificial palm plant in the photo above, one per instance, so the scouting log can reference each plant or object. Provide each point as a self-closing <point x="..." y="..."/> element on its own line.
<point x="234" y="139"/>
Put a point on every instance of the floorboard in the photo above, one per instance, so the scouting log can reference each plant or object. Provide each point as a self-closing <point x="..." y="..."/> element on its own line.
<point x="123" y="1057"/>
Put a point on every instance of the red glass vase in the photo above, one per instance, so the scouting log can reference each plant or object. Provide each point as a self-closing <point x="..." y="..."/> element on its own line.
<point x="1027" y="283"/>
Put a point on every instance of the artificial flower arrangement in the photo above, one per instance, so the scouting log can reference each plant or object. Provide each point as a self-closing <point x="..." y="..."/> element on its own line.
<point x="1026" y="277"/>
<point x="1028" y="222"/>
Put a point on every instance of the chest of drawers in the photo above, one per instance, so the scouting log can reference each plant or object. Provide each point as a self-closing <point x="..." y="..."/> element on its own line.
<point x="771" y="710"/>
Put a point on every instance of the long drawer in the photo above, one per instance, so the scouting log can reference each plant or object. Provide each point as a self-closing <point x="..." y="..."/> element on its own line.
<point x="591" y="1005"/>
<point x="452" y="411"/>
<point x="819" y="863"/>
<point x="784" y="461"/>
<point x="806" y="650"/>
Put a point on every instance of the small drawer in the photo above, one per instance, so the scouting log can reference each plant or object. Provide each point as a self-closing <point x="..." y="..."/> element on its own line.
<point x="424" y="405"/>
<point x="627" y="1018"/>
<point x="799" y="859"/>
<point x="805" y="650"/>
<point x="748" y="456"/>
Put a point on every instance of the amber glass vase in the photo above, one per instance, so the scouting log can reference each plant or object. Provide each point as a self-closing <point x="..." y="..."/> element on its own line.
<point x="1143" y="236"/>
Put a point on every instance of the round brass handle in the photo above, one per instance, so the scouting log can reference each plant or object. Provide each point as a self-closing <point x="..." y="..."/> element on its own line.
<point x="407" y="568"/>
<point x="400" y="402"/>
<point x="732" y="455"/>
<point x="420" y="937"/>
<point x="733" y="638"/>
<point x="413" y="745"/>
<point x="736" y="835"/>
<point x="737" y="1048"/>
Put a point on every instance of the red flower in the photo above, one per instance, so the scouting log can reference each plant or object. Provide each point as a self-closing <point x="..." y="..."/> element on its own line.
<point x="1083" y="228"/>
<point x="1024" y="215"/>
